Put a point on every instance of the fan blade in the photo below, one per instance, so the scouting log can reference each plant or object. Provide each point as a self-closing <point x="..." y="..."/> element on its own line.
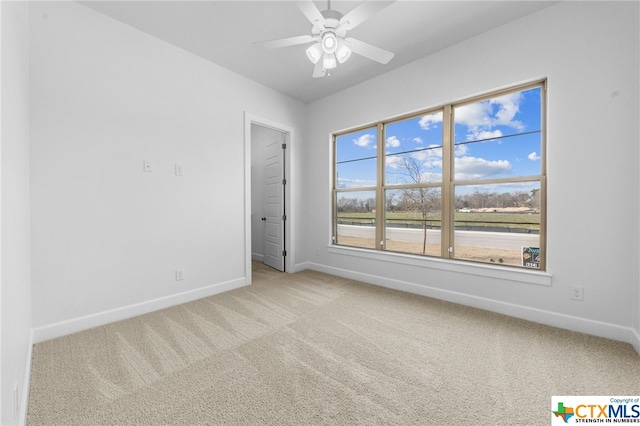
<point x="318" y="70"/>
<point x="369" y="51"/>
<point x="284" y="42"/>
<point x="360" y="13"/>
<point x="311" y="12"/>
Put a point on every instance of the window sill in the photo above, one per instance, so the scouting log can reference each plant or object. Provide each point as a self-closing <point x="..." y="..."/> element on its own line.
<point x="457" y="266"/>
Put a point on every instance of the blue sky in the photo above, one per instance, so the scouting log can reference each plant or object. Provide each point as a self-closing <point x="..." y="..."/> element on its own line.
<point x="495" y="138"/>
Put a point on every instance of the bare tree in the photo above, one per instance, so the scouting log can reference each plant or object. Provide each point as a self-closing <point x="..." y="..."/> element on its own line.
<point x="421" y="200"/>
<point x="535" y="198"/>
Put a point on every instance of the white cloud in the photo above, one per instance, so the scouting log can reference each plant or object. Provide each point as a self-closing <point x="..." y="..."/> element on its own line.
<point x="418" y="139"/>
<point x="474" y="115"/>
<point x="394" y="161"/>
<point x="365" y="141"/>
<point x="430" y="158"/>
<point x="461" y="150"/>
<point x="476" y="168"/>
<point x="509" y="106"/>
<point x="435" y="151"/>
<point x="487" y="134"/>
<point x="426" y="158"/>
<point x="393" y="142"/>
<point x="431" y="177"/>
<point x="429" y="121"/>
<point x="354" y="183"/>
<point x="480" y="118"/>
<point x="435" y="163"/>
<point x="400" y="175"/>
<point x="533" y="156"/>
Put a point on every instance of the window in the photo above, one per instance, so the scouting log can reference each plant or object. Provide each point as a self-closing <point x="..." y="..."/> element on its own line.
<point x="463" y="181"/>
<point x="356" y="183"/>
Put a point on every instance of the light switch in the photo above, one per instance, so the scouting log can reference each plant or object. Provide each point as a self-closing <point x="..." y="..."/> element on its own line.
<point x="147" y="166"/>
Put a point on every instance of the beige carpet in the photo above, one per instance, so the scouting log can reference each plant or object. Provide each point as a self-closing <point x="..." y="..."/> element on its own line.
<point x="310" y="348"/>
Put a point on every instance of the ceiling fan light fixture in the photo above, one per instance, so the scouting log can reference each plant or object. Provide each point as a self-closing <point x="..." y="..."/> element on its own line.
<point x="329" y="42"/>
<point x="343" y="52"/>
<point x="329" y="61"/>
<point x="314" y="53"/>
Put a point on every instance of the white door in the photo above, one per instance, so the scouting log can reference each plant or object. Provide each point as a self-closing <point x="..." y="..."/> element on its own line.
<point x="274" y="206"/>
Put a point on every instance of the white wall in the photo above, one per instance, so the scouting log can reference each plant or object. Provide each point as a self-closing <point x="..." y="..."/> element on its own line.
<point x="107" y="237"/>
<point x="589" y="52"/>
<point x="15" y="305"/>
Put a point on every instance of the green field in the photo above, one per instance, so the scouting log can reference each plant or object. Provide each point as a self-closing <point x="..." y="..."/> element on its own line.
<point x="488" y="219"/>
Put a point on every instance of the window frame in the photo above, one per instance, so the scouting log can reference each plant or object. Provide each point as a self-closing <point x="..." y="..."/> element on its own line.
<point x="448" y="183"/>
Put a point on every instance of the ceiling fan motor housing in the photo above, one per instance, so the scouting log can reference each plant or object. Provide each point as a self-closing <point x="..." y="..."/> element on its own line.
<point x="332" y="18"/>
<point x="331" y="22"/>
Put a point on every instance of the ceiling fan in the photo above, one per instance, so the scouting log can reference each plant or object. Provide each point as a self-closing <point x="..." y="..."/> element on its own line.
<point x="328" y="34"/>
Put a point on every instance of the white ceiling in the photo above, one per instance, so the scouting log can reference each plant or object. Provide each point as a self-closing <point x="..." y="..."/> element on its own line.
<point x="223" y="32"/>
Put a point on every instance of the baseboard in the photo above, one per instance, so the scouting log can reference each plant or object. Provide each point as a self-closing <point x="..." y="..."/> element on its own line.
<point x="26" y="384"/>
<point x="568" y="322"/>
<point x="302" y="266"/>
<point x="258" y="257"/>
<point x="636" y="340"/>
<point x="64" y="328"/>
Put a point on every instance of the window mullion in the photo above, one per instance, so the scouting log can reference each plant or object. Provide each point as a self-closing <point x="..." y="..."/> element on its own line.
<point x="380" y="201"/>
<point x="446" y="216"/>
<point x="334" y="187"/>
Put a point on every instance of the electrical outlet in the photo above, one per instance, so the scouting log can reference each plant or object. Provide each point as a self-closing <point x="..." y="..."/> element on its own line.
<point x="577" y="293"/>
<point x="179" y="169"/>
<point x="179" y="275"/>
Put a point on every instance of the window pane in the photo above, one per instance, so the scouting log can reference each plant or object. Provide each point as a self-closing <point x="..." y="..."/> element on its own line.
<point x="356" y="157"/>
<point x="356" y="174"/>
<point x="413" y="150"/>
<point x="498" y="137"/>
<point x="498" y="223"/>
<point x="355" y="217"/>
<point x="412" y="220"/>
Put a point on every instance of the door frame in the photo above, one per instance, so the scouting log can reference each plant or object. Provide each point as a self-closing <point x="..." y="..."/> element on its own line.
<point x="288" y="132"/>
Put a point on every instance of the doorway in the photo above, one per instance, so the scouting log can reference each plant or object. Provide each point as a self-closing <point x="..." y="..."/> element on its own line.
<point x="268" y="187"/>
<point x="268" y="201"/>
